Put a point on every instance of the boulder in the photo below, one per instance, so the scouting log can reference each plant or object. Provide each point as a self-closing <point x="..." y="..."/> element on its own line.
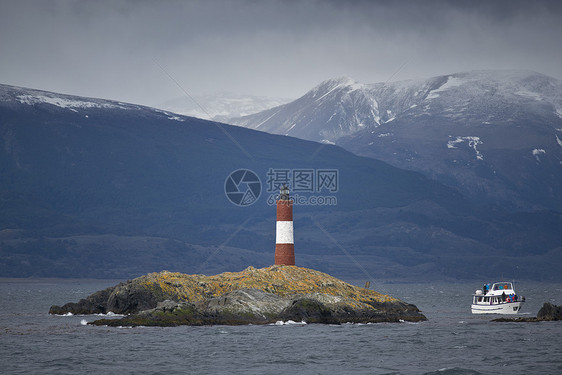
<point x="93" y="304"/>
<point x="550" y="312"/>
<point x="121" y="299"/>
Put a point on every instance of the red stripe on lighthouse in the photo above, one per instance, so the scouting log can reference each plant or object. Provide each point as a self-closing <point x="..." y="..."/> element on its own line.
<point x="284" y="210"/>
<point x="285" y="254"/>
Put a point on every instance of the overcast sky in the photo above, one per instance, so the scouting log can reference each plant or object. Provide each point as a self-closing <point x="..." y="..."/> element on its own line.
<point x="128" y="50"/>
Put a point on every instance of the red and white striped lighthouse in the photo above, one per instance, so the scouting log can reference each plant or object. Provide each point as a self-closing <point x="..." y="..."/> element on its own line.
<point x="284" y="245"/>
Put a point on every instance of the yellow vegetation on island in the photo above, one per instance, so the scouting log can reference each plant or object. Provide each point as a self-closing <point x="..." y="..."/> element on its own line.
<point x="284" y="281"/>
<point x="252" y="296"/>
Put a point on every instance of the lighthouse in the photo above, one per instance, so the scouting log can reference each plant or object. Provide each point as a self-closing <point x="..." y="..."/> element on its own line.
<point x="284" y="245"/>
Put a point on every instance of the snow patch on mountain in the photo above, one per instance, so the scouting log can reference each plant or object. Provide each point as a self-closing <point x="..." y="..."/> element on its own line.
<point x="335" y="83"/>
<point x="529" y="94"/>
<point x="451" y="82"/>
<point x="537" y="152"/>
<point x="65" y="102"/>
<point x="472" y="142"/>
<point x="171" y="116"/>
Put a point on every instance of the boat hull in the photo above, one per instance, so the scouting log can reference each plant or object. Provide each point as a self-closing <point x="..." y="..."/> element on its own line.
<point x="502" y="308"/>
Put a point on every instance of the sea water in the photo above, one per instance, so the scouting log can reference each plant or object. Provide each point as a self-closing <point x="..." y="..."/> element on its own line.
<point x="453" y="341"/>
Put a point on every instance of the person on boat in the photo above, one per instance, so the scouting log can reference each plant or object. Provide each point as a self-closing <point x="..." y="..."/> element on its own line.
<point x="503" y="297"/>
<point x="485" y="289"/>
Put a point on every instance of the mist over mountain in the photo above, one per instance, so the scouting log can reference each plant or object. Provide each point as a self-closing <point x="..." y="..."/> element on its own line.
<point x="221" y="106"/>
<point x="98" y="188"/>
<point x="494" y="135"/>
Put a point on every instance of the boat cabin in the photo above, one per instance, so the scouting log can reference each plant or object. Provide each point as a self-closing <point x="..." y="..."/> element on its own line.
<point x="495" y="294"/>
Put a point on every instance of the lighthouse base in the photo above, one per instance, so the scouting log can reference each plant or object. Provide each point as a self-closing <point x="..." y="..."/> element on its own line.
<point x="285" y="254"/>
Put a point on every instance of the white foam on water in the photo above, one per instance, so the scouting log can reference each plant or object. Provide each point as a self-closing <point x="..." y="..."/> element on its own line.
<point x="289" y="322"/>
<point x="110" y="314"/>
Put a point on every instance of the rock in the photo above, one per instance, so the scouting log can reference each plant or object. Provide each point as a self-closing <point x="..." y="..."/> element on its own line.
<point x="131" y="297"/>
<point x="320" y="308"/>
<point x="253" y="296"/>
<point x="244" y="306"/>
<point x="121" y="299"/>
<point x="309" y="310"/>
<point x="550" y="312"/>
<point x="94" y="304"/>
<point x="248" y="302"/>
<point x="169" y="306"/>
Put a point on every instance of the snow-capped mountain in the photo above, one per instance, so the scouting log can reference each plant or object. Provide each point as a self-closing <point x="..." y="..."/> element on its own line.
<point x="495" y="135"/>
<point x="221" y="106"/>
<point x="12" y="96"/>
<point x="333" y="109"/>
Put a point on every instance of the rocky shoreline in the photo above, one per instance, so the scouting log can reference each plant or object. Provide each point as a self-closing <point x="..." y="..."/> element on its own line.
<point x="252" y="296"/>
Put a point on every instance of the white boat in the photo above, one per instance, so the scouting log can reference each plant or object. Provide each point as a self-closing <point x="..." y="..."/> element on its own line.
<point x="497" y="298"/>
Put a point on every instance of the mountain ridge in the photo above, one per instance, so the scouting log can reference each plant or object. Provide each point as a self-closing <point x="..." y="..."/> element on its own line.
<point x="464" y="129"/>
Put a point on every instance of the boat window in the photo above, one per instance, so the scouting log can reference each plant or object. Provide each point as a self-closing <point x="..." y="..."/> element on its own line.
<point x="504" y="286"/>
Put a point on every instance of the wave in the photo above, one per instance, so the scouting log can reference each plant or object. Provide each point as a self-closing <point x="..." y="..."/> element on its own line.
<point x="288" y="322"/>
<point x="453" y="370"/>
<point x="109" y="314"/>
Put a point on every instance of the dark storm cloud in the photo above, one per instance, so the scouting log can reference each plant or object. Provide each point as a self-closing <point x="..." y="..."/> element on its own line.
<point x="114" y="49"/>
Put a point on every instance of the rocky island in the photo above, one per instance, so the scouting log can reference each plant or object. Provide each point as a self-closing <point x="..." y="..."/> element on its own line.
<point x="252" y="296"/>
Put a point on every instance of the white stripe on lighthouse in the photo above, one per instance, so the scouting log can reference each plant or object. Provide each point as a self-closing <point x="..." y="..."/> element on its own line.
<point x="284" y="232"/>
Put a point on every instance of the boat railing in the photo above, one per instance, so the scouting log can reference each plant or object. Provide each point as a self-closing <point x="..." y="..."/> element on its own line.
<point x="481" y="299"/>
